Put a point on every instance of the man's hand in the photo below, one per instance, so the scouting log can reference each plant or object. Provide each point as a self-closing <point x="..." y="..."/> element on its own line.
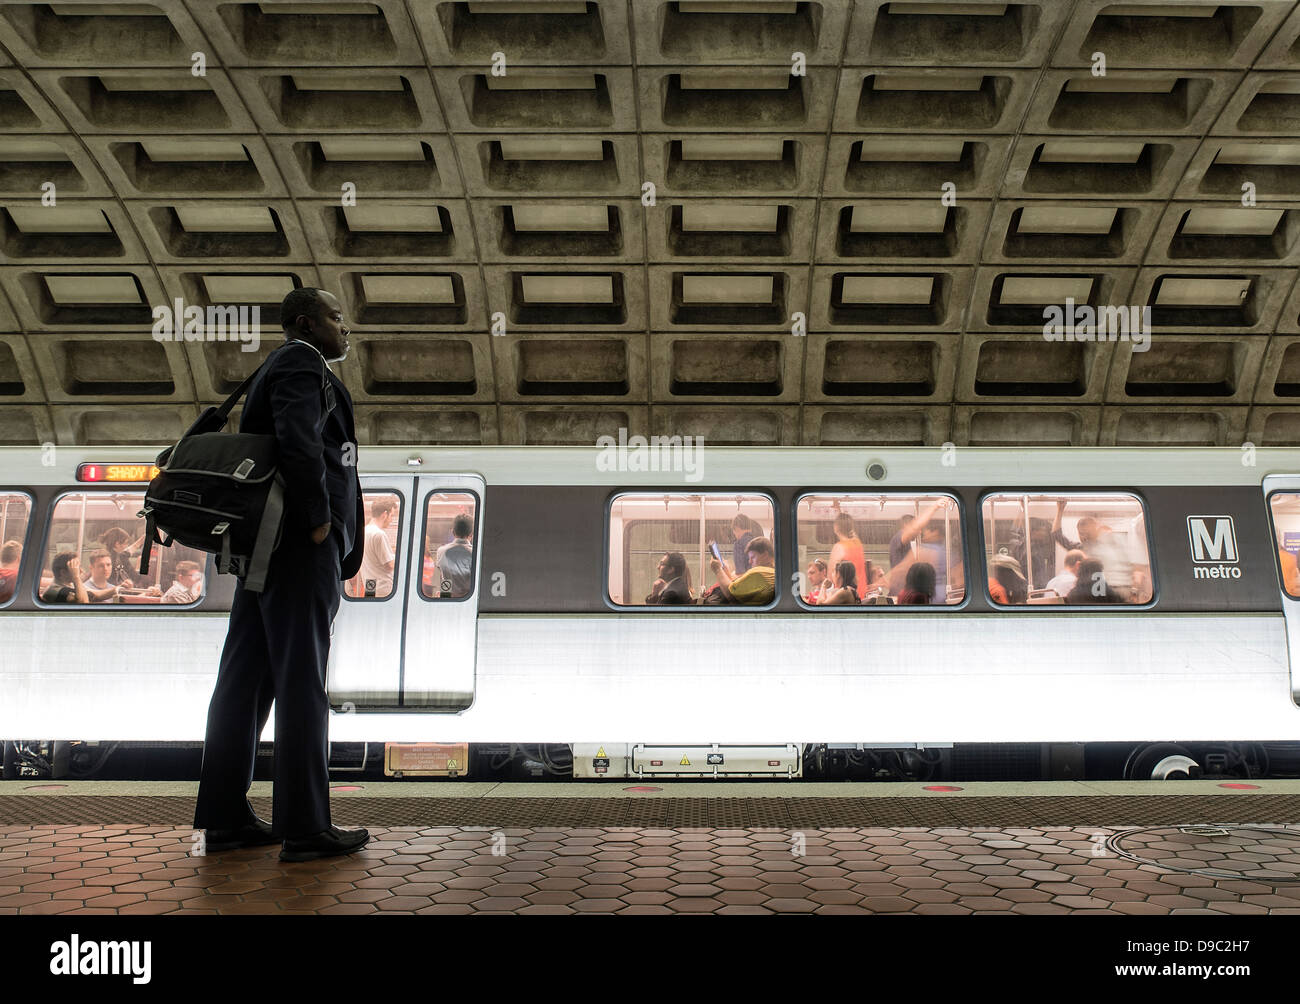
<point x="320" y="533"/>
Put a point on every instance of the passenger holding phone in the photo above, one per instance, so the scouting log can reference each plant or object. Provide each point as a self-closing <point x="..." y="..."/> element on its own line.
<point x="756" y="587"/>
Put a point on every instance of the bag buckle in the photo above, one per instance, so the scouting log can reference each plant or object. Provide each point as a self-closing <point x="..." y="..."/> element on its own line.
<point x="219" y="529"/>
<point x="144" y="513"/>
<point x="244" y="469"/>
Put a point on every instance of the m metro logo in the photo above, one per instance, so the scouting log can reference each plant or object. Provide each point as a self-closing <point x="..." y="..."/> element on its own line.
<point x="1213" y="540"/>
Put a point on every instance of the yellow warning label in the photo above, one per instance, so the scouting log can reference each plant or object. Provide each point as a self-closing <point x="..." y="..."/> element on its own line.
<point x="453" y="765"/>
<point x="601" y="752"/>
<point x="685" y="762"/>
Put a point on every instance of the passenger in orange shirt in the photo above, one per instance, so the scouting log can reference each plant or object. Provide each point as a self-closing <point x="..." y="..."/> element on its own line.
<point x="1290" y="572"/>
<point x="849" y="548"/>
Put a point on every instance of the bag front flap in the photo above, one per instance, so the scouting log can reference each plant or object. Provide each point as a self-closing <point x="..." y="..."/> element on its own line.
<point x="240" y="456"/>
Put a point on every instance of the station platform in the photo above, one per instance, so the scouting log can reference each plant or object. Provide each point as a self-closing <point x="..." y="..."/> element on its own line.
<point x="464" y="847"/>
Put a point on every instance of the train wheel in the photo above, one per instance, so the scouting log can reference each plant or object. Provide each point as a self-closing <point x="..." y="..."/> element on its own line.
<point x="1160" y="762"/>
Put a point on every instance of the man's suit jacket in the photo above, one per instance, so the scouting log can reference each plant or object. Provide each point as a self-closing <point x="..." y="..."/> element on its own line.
<point x="286" y="400"/>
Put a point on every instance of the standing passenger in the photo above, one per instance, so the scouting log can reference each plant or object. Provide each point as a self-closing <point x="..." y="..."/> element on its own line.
<point x="849" y="548"/>
<point x="378" y="559"/>
<point x="278" y="642"/>
<point x="743" y="529"/>
<point x="455" y="560"/>
<point x="117" y="542"/>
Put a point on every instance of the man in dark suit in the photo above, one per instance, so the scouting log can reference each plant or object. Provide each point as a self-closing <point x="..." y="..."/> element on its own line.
<point x="278" y="641"/>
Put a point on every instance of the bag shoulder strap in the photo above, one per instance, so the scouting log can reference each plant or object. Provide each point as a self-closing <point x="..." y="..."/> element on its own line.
<point x="326" y="388"/>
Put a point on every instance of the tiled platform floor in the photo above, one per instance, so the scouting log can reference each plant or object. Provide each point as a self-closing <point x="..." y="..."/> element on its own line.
<point x="462" y="870"/>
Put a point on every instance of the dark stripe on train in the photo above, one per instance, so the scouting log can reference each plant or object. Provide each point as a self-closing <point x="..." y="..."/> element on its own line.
<point x="550" y="540"/>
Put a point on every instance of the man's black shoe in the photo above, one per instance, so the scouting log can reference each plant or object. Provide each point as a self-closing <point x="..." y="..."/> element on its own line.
<point x="254" y="834"/>
<point x="326" y="844"/>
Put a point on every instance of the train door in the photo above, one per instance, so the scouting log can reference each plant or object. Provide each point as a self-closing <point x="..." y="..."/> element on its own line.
<point x="1283" y="494"/>
<point x="443" y="581"/>
<point x="365" y="666"/>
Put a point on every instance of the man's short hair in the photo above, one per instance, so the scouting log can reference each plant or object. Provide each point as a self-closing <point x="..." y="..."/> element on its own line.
<point x="1073" y="557"/>
<point x="185" y="567"/>
<point x="462" y="525"/>
<point x="10" y="552"/>
<point x="761" y="547"/>
<point x="59" y="566"/>
<point x="381" y="506"/>
<point x="100" y="553"/>
<point x="305" y="300"/>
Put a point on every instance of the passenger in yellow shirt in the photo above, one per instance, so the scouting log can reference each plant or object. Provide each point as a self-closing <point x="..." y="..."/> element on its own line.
<point x="756" y="587"/>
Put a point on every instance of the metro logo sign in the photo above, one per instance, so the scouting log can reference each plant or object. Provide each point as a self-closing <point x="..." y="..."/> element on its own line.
<point x="1213" y="540"/>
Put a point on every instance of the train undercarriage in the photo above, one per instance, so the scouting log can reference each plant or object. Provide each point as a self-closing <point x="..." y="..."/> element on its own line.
<point x="59" y="760"/>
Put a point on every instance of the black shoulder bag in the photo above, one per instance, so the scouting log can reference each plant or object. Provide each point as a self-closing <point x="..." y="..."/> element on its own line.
<point x="221" y="492"/>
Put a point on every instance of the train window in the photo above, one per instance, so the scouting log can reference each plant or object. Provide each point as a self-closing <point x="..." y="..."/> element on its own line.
<point x="92" y="555"/>
<point x="450" y="532"/>
<point x="1285" y="509"/>
<point x="379" y="565"/>
<point x="880" y="550"/>
<point x="1080" y="549"/>
<point x="15" y="517"/>
<point x="687" y="549"/>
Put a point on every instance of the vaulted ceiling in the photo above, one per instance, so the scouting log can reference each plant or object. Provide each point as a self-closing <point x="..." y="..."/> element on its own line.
<point x="787" y="223"/>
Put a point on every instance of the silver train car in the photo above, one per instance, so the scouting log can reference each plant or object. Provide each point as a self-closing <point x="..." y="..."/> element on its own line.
<point x="1011" y="613"/>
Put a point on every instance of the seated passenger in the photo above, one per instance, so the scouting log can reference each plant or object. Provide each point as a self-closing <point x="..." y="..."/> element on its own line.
<point x="1092" y="586"/>
<point x="455" y="561"/>
<point x="188" y="586"/>
<point x="845" y="590"/>
<point x="674" y="583"/>
<point x="11" y="556"/>
<point x="66" y="586"/>
<point x="756" y="587"/>
<point x="918" y="590"/>
<point x="1063" y="583"/>
<point x="1142" y="590"/>
<point x="98" y="588"/>
<point x="818" y="583"/>
<point x="1007" y="583"/>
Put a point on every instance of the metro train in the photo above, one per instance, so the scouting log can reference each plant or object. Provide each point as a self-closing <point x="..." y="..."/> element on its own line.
<point x="927" y="614"/>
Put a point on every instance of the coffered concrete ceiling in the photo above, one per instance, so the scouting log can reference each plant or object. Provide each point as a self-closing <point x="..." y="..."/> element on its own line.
<point x="797" y="277"/>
